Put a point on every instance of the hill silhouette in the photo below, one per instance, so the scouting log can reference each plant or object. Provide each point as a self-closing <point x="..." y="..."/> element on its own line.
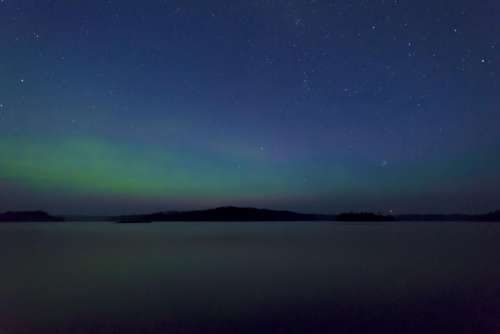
<point x="488" y="217"/>
<point x="231" y="213"/>
<point x="28" y="216"/>
<point x="224" y="214"/>
<point x="248" y="214"/>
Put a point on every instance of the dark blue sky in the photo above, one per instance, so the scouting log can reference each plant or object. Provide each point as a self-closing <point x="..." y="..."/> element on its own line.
<point x="113" y="106"/>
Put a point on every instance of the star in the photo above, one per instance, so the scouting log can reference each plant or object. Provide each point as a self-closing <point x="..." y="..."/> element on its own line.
<point x="21" y="81"/>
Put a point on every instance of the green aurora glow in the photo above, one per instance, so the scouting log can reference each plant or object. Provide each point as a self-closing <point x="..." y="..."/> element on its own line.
<point x="98" y="167"/>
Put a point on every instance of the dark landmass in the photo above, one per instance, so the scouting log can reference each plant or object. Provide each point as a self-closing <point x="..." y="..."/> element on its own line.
<point x="86" y="218"/>
<point x="488" y="217"/>
<point x="247" y="215"/>
<point x="363" y="217"/>
<point x="132" y="220"/>
<point x="225" y="214"/>
<point x="253" y="214"/>
<point x="28" y="216"/>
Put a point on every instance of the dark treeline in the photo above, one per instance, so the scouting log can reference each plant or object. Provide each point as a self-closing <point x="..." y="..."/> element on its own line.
<point x="225" y="214"/>
<point x="28" y="216"/>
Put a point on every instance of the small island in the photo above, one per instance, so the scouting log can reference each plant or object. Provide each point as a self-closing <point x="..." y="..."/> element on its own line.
<point x="28" y="217"/>
<point x="132" y="220"/>
<point x="224" y="214"/>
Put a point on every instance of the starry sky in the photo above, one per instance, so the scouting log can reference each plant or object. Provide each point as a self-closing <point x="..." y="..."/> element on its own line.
<point x="318" y="106"/>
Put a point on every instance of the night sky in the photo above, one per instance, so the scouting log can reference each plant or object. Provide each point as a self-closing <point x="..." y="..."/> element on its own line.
<point x="317" y="106"/>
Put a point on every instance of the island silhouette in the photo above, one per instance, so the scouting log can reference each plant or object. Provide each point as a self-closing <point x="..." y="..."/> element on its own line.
<point x="245" y="214"/>
<point x="249" y="214"/>
<point x="225" y="214"/>
<point x="28" y="216"/>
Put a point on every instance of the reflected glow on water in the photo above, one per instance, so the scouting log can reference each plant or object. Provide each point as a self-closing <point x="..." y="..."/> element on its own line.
<point x="250" y="278"/>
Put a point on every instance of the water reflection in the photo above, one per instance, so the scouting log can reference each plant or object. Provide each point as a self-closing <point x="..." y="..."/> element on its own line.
<point x="250" y="278"/>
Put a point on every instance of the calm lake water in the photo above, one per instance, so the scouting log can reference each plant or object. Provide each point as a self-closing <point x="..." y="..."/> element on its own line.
<point x="295" y="277"/>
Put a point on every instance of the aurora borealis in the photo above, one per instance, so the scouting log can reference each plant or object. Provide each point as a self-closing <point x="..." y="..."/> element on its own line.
<point x="315" y="106"/>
